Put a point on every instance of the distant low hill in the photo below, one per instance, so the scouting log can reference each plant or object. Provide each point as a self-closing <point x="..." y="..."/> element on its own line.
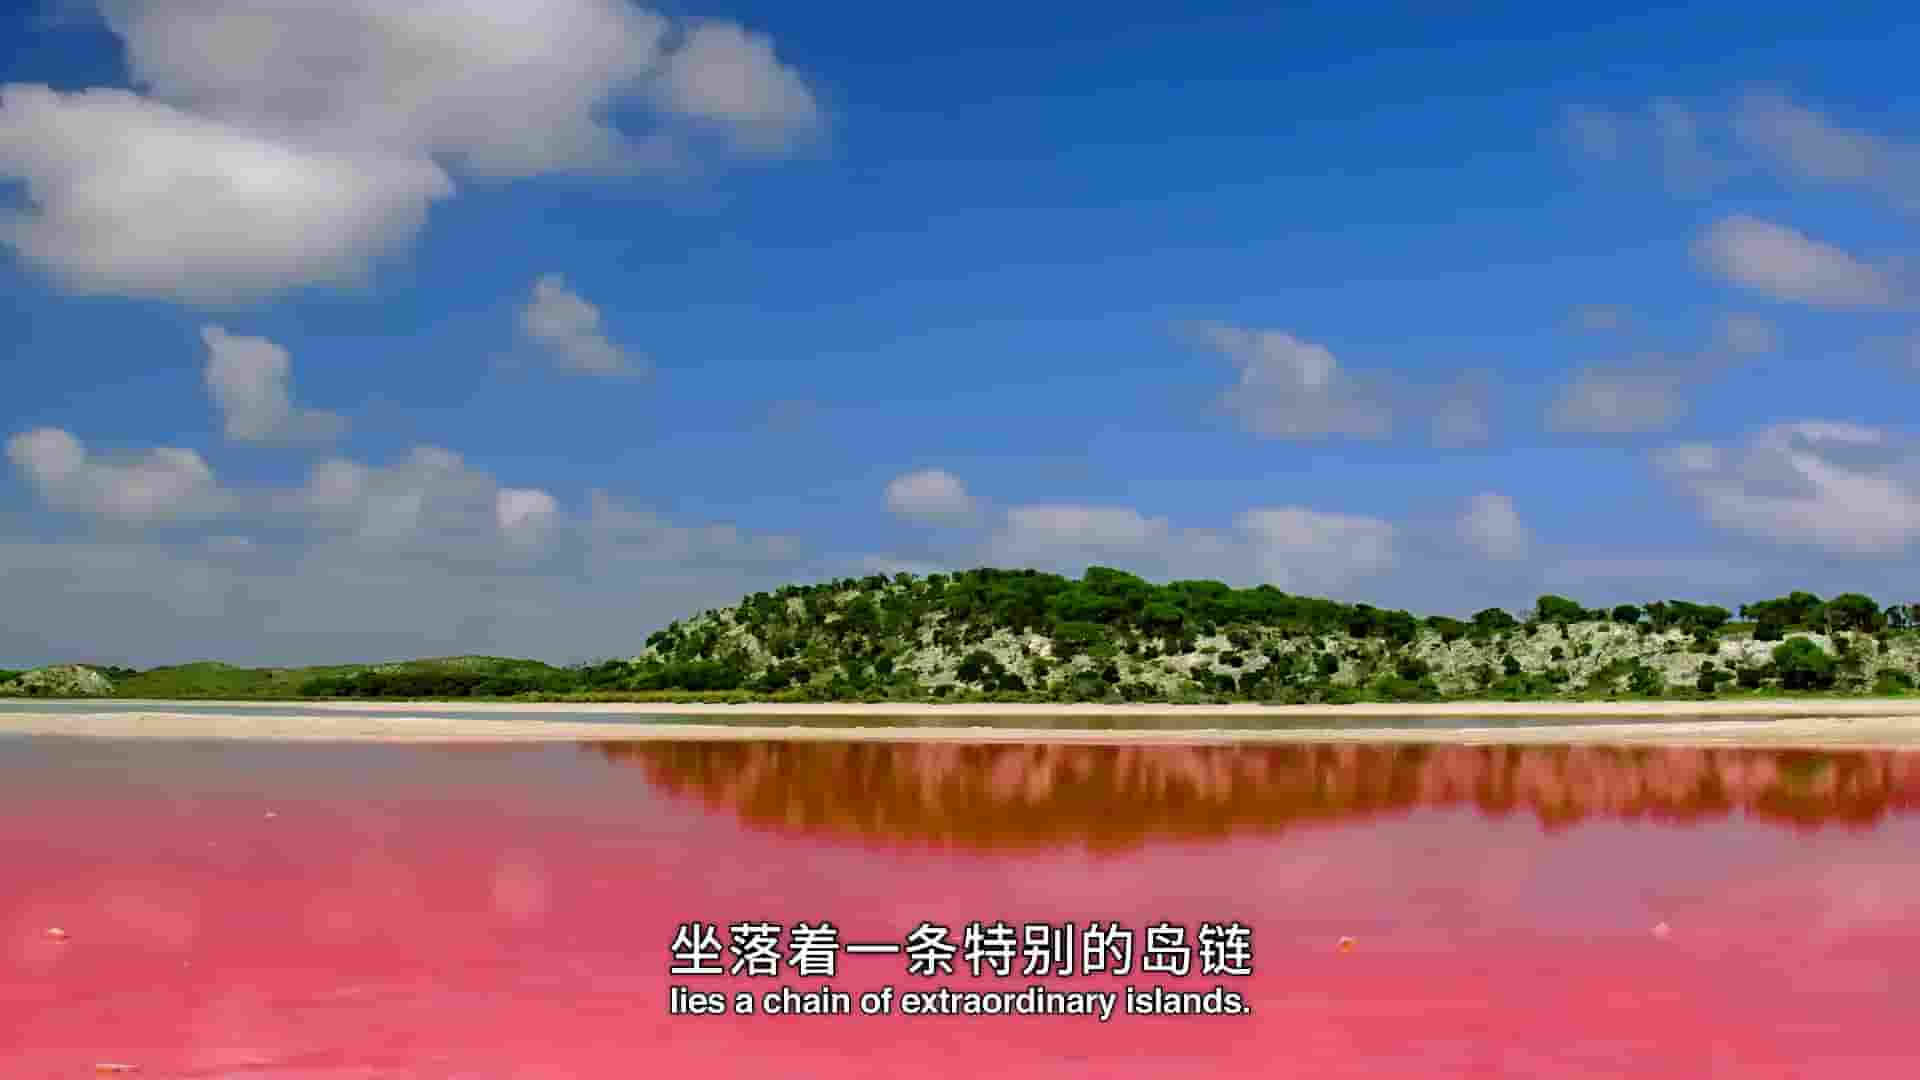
<point x="1022" y="635"/>
<point x="1110" y="635"/>
<point x="447" y="676"/>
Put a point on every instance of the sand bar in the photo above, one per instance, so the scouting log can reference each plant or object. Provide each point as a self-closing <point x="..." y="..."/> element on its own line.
<point x="1853" y="723"/>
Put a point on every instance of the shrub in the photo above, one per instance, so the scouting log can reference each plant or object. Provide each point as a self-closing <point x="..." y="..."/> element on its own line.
<point x="1646" y="681"/>
<point x="1802" y="665"/>
<point x="1892" y="681"/>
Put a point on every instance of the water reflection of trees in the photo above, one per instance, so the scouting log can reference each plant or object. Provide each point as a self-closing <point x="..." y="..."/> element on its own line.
<point x="1007" y="796"/>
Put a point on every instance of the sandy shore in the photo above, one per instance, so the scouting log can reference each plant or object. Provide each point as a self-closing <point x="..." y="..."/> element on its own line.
<point x="1804" y="723"/>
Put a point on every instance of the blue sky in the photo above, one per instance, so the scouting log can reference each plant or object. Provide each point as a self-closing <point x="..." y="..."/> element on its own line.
<point x="527" y="327"/>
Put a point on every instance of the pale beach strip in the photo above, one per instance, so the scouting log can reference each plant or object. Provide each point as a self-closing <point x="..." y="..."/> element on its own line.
<point x="1808" y="723"/>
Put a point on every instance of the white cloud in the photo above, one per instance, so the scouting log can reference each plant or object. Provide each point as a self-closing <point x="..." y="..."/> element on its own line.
<point x="427" y="555"/>
<point x="1684" y="144"/>
<point x="429" y="499"/>
<point x="1789" y="265"/>
<point x="129" y="196"/>
<point x="1048" y="528"/>
<point x="250" y="379"/>
<point x="889" y="566"/>
<point x="1297" y="548"/>
<point x="728" y="75"/>
<point x="1291" y="547"/>
<point x="623" y="535"/>
<point x="286" y="144"/>
<point x="506" y="87"/>
<point x="931" y="495"/>
<point x="1618" y="401"/>
<point x="1491" y="526"/>
<point x="568" y="327"/>
<point x="1295" y="389"/>
<point x="526" y="517"/>
<point x="293" y="601"/>
<point x="1291" y="388"/>
<point x="1835" y="486"/>
<point x="1650" y="391"/>
<point x="164" y="483"/>
<point x="1805" y="144"/>
<point x="500" y="87"/>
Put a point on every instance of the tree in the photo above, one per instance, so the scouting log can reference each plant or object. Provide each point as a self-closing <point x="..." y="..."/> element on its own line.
<point x="1852" y="611"/>
<point x="1509" y="666"/>
<point x="1802" y="665"/>
<point x="1493" y="620"/>
<point x="978" y="666"/>
<point x="1795" y="611"/>
<point x="1558" y="609"/>
<point x="1626" y="613"/>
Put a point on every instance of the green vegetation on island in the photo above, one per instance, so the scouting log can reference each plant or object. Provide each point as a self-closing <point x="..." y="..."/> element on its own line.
<point x="1022" y="635"/>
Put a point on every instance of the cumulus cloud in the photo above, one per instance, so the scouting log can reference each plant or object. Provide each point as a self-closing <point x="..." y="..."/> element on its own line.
<point x="568" y="328"/>
<point x="1294" y="547"/>
<point x="526" y="517"/>
<point x="931" y="495"/>
<point x="1492" y="527"/>
<point x="1618" y="401"/>
<point x="1290" y="388"/>
<point x="1045" y="529"/>
<point x="1293" y="389"/>
<point x="427" y="554"/>
<point x="1291" y="547"/>
<point x="165" y="483"/>
<point x="429" y="498"/>
<point x="129" y="196"/>
<point x="1649" y="391"/>
<point x="283" y="601"/>
<point x="624" y="534"/>
<point x="251" y="379"/>
<point x="296" y="144"/>
<point x="729" y="76"/>
<point x="1786" y="264"/>
<point x="1839" y="487"/>
<point x="502" y="87"/>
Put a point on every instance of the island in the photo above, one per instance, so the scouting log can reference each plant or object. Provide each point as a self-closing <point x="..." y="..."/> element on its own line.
<point x="1023" y="637"/>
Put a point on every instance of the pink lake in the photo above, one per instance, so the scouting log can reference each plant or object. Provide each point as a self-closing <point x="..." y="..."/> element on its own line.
<point x="283" y="911"/>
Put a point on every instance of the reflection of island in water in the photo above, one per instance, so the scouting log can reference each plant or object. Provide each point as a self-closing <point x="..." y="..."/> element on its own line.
<point x="1029" y="797"/>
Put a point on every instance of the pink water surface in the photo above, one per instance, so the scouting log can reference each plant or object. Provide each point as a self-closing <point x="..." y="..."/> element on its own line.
<point x="387" y="911"/>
